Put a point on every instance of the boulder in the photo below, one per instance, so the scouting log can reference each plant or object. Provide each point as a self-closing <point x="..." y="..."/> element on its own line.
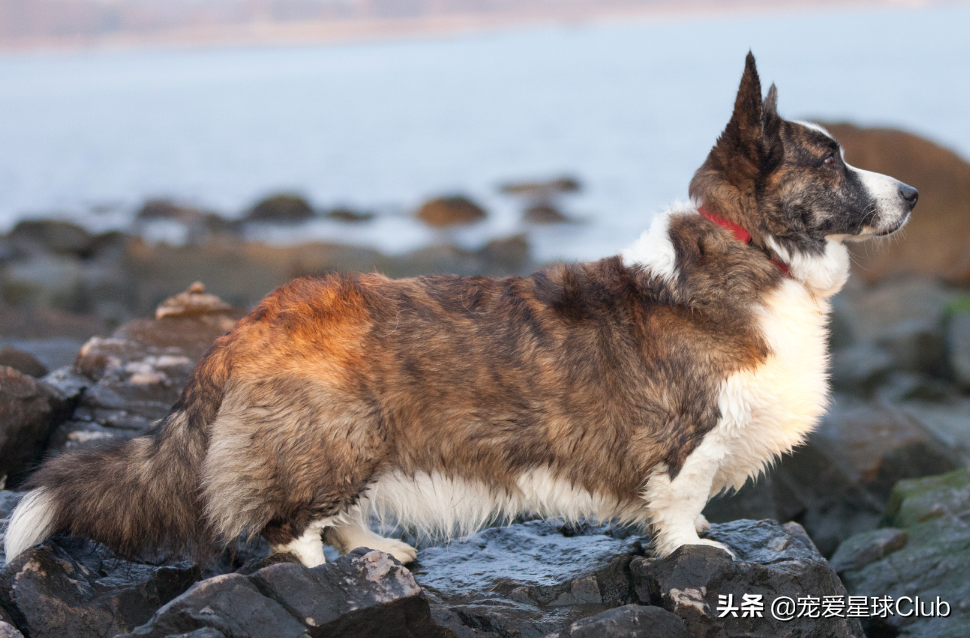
<point x="22" y="362"/>
<point x="527" y="579"/>
<point x="29" y="412"/>
<point x="365" y="593"/>
<point x="708" y="589"/>
<point x="52" y="236"/>
<point x="937" y="238"/>
<point x="958" y="348"/>
<point x="349" y="215"/>
<point x="450" y="211"/>
<point x="79" y="589"/>
<point x="925" y="553"/>
<point x="544" y="213"/>
<point x="628" y="621"/>
<point x="281" y="209"/>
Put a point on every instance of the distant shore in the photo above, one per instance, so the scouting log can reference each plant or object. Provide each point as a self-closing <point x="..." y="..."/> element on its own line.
<point x="330" y="31"/>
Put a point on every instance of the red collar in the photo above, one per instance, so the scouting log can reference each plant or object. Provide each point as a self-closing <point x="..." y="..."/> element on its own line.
<point x="740" y="234"/>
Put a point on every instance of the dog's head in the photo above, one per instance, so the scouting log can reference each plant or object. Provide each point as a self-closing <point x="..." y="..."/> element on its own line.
<point x="787" y="183"/>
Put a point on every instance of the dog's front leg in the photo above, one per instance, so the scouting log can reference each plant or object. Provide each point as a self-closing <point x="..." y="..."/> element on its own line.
<point x="674" y="505"/>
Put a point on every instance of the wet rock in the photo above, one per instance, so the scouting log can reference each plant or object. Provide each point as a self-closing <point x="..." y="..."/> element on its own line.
<point x="867" y="548"/>
<point x="860" y="369"/>
<point x="191" y="303"/>
<point x="958" y="348"/>
<point x="629" y="621"/>
<point x="29" y="412"/>
<point x="281" y="209"/>
<point x="542" y="190"/>
<point x="52" y="236"/>
<point x="349" y="215"/>
<point x="933" y="564"/>
<point x="137" y="374"/>
<point x="78" y="589"/>
<point x="699" y="583"/>
<point x="544" y="214"/>
<point x="21" y="361"/>
<point x="937" y="238"/>
<point x="527" y="579"/>
<point x="365" y="593"/>
<point x="946" y="422"/>
<point x="450" y="211"/>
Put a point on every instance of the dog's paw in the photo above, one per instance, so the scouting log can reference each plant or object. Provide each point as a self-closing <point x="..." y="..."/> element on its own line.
<point x="701" y="524"/>
<point x="400" y="550"/>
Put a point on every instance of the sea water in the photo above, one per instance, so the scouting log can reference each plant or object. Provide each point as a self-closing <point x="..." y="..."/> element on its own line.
<point x="630" y="107"/>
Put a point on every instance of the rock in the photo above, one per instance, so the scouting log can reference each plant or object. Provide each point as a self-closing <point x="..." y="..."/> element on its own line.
<point x="365" y="593"/>
<point x="701" y="583"/>
<point x="860" y="369"/>
<point x="937" y="238"/>
<point x="878" y="445"/>
<point x="281" y="209"/>
<point x="527" y="579"/>
<point x="629" y="621"/>
<point x="450" y="211"/>
<point x="29" y="412"/>
<point x="945" y="422"/>
<point x="349" y="215"/>
<point x="867" y="548"/>
<point x="958" y="348"/>
<point x="875" y="311"/>
<point x="544" y="214"/>
<point x="137" y="374"/>
<point x="933" y="564"/>
<point x="916" y="346"/>
<point x="52" y="236"/>
<point x="542" y="190"/>
<point x="9" y="631"/>
<point x="78" y="589"/>
<point x="155" y="209"/>
<point x="21" y="361"/>
<point x="191" y="303"/>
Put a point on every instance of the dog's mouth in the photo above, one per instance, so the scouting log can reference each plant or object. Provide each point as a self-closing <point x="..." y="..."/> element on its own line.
<point x="887" y="232"/>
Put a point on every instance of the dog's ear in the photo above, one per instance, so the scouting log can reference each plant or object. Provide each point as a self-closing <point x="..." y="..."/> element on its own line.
<point x="743" y="137"/>
<point x="774" y="149"/>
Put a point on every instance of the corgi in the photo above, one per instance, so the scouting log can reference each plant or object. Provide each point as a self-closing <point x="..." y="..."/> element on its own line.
<point x="629" y="389"/>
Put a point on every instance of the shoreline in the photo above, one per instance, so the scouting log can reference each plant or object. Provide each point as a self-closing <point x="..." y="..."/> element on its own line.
<point x="363" y="30"/>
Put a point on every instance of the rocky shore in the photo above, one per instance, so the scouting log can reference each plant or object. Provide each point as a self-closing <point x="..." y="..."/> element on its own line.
<point x="98" y="334"/>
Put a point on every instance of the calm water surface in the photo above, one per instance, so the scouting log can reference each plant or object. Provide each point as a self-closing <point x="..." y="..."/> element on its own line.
<point x="631" y="108"/>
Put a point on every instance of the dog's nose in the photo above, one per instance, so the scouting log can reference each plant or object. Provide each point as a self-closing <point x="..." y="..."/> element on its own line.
<point x="910" y="194"/>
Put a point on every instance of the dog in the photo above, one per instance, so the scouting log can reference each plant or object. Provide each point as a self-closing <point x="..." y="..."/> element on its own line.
<point x="629" y="389"/>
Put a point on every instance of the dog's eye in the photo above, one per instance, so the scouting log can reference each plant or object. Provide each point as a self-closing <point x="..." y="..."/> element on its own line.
<point x="830" y="161"/>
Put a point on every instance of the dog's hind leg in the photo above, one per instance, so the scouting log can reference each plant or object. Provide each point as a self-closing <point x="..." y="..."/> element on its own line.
<point x="307" y="546"/>
<point x="351" y="531"/>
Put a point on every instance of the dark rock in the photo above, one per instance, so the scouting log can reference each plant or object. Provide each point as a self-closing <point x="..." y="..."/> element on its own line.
<point x="365" y="593"/>
<point x="867" y="548"/>
<point x="155" y="209"/>
<point x="29" y="412"/>
<point x="629" y="621"/>
<point x="52" y="236"/>
<point x="281" y="209"/>
<point x="450" y="211"/>
<point x="916" y="345"/>
<point x="958" y="348"/>
<point x="544" y="214"/>
<point x="8" y="501"/>
<point x="52" y="353"/>
<point x="137" y="374"/>
<point x="230" y="604"/>
<point x="946" y="422"/>
<point x="542" y="190"/>
<point x="861" y="368"/>
<point x="78" y="589"/>
<point x="349" y="215"/>
<point x="773" y="561"/>
<point x="22" y="362"/>
<point x="934" y="563"/>
<point x="527" y="579"/>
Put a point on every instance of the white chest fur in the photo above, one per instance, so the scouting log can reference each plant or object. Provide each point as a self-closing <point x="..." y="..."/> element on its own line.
<point x="768" y="410"/>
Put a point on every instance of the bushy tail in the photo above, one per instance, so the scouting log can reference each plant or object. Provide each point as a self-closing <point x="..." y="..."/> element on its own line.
<point x="131" y="495"/>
